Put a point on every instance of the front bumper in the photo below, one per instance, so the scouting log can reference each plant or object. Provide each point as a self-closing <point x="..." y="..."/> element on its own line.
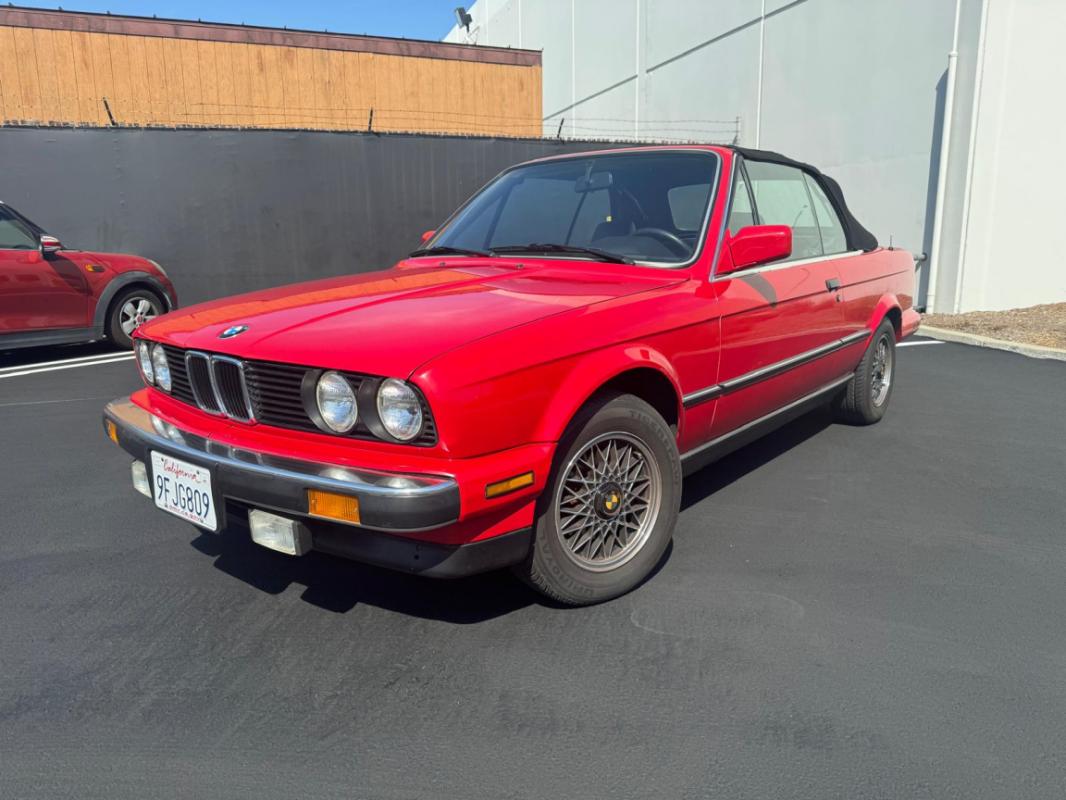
<point x="391" y="504"/>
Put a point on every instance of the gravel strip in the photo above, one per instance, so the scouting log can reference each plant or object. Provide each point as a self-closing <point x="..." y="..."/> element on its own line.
<point x="1040" y="325"/>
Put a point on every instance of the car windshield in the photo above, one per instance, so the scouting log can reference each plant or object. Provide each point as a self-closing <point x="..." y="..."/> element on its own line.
<point x="14" y="234"/>
<point x="647" y="207"/>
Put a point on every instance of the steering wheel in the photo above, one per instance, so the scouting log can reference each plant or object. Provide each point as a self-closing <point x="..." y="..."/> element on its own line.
<point x="672" y="241"/>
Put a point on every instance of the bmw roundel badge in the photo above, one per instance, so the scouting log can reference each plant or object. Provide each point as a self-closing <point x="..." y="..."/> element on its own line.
<point x="233" y="330"/>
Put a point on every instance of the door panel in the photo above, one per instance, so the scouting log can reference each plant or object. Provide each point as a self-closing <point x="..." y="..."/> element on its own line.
<point x="776" y="317"/>
<point x="769" y="317"/>
<point x="40" y="294"/>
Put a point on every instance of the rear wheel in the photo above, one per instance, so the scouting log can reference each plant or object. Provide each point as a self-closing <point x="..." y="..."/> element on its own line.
<point x="608" y="512"/>
<point x="865" y="398"/>
<point x="131" y="309"/>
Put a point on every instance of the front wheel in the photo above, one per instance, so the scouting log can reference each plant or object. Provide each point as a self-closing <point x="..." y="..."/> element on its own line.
<point x="609" y="509"/>
<point x="130" y="310"/>
<point x="865" y="398"/>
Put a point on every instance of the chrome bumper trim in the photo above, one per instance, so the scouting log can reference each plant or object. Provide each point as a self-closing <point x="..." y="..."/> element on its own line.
<point x="421" y="502"/>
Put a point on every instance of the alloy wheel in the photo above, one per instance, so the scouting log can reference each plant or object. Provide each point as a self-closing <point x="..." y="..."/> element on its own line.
<point x="608" y="501"/>
<point x="135" y="312"/>
<point x="881" y="371"/>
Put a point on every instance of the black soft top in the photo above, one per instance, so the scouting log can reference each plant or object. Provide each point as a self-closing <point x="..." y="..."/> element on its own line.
<point x="858" y="237"/>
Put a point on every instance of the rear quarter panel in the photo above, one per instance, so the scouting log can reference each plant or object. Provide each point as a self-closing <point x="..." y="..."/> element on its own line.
<point x="874" y="283"/>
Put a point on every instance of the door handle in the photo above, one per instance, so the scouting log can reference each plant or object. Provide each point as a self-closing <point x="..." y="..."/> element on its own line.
<point x="832" y="284"/>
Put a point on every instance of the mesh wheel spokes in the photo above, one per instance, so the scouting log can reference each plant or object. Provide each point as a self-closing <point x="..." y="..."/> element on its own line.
<point x="608" y="500"/>
<point x="881" y="371"/>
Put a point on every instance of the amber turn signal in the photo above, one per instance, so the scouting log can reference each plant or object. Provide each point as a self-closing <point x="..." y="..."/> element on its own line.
<point x="509" y="485"/>
<point x="112" y="431"/>
<point x="328" y="505"/>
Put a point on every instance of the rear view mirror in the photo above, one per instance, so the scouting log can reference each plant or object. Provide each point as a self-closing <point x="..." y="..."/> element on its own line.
<point x="758" y="244"/>
<point x="427" y="236"/>
<point x="598" y="180"/>
<point x="50" y="244"/>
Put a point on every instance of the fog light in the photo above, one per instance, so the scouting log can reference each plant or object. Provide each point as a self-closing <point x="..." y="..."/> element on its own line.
<point x="140" y="478"/>
<point x="509" y="485"/>
<point x="112" y="431"/>
<point x="328" y="505"/>
<point x="279" y="533"/>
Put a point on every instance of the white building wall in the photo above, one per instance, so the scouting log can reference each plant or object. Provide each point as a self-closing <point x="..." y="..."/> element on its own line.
<point x="849" y="86"/>
<point x="1013" y="234"/>
<point x="856" y="87"/>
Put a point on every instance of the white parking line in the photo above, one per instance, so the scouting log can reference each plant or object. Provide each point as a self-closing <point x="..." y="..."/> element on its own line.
<point x="78" y="360"/>
<point x="111" y="360"/>
<point x="52" y="402"/>
<point x="915" y="344"/>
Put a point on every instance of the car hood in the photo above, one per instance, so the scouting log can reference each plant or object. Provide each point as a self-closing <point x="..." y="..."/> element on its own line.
<point x="391" y="322"/>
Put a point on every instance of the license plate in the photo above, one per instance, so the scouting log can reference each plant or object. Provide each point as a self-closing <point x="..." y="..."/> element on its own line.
<point x="184" y="490"/>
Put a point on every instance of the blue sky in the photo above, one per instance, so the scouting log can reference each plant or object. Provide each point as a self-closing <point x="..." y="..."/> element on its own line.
<point x="413" y="19"/>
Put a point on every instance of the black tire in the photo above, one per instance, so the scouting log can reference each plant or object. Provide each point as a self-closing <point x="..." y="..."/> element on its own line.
<point x="115" y="317"/>
<point x="865" y="399"/>
<point x="552" y="567"/>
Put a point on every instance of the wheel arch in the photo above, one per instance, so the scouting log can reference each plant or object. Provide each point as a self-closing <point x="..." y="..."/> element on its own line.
<point x="127" y="280"/>
<point x="888" y="307"/>
<point x="639" y="371"/>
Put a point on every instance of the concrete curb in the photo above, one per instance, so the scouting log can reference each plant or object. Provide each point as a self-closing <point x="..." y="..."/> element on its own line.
<point x="1031" y="350"/>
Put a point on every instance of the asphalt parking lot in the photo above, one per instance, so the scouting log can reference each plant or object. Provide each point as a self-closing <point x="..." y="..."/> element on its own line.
<point x="845" y="613"/>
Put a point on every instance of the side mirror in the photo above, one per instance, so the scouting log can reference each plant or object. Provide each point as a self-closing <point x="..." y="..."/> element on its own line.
<point x="50" y="244"/>
<point x="427" y="236"/>
<point x="759" y="244"/>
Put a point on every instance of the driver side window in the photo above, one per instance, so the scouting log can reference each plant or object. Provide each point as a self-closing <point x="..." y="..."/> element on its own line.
<point x="781" y="198"/>
<point x="13" y="234"/>
<point x="741" y="214"/>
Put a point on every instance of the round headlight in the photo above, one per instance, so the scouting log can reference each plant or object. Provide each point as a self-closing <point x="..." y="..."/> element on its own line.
<point x="144" y="360"/>
<point x="161" y="368"/>
<point x="399" y="410"/>
<point x="336" y="402"/>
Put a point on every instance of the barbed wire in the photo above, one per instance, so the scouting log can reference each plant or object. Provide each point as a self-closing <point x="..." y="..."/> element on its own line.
<point x="373" y="119"/>
<point x="433" y="111"/>
<point x="296" y="127"/>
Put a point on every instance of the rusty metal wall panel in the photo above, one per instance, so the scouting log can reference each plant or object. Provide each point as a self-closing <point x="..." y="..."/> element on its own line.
<point x="230" y="211"/>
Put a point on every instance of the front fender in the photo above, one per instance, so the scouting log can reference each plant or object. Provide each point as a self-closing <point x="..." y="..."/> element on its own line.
<point x="589" y="373"/>
<point x="119" y="283"/>
<point x="531" y="403"/>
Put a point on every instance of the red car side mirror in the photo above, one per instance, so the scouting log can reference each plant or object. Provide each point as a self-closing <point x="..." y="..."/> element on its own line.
<point x="49" y="244"/>
<point x="427" y="236"/>
<point x="758" y="244"/>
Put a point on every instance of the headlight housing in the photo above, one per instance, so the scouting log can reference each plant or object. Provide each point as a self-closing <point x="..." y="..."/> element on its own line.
<point x="160" y="368"/>
<point x="144" y="361"/>
<point x="335" y="401"/>
<point x="399" y="409"/>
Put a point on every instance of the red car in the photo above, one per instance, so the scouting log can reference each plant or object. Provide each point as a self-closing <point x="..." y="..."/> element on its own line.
<point x="529" y="387"/>
<point x="50" y="295"/>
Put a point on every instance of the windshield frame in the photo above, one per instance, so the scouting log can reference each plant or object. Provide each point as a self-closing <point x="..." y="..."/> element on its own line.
<point x="697" y="252"/>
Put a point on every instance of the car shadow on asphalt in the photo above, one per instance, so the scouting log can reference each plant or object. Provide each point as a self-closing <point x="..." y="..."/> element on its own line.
<point x="339" y="585"/>
<point x="715" y="477"/>
<point x="40" y="355"/>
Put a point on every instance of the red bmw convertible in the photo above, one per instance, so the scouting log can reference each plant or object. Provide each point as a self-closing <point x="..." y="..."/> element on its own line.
<point x="529" y="387"/>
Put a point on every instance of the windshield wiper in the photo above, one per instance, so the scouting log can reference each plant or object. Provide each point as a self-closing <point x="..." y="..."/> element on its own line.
<point x="543" y="247"/>
<point x="446" y="250"/>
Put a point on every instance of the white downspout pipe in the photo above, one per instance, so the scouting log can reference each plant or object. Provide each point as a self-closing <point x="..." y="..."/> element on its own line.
<point x="942" y="169"/>
<point x="975" y="113"/>
<point x="758" y="95"/>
